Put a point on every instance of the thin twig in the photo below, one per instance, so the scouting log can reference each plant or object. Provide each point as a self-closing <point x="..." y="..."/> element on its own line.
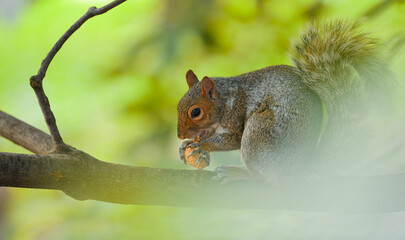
<point x="46" y="111"/>
<point x="36" y="80"/>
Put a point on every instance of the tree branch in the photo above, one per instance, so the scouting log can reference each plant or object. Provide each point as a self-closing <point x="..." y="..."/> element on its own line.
<point x="84" y="177"/>
<point x="24" y="135"/>
<point x="91" y="12"/>
<point x="36" y="80"/>
<point x="46" y="111"/>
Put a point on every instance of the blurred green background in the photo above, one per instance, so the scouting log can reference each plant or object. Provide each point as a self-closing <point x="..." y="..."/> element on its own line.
<point x="114" y="87"/>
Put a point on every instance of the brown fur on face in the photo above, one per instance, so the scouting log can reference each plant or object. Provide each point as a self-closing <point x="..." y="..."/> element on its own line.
<point x="202" y="94"/>
<point x="189" y="128"/>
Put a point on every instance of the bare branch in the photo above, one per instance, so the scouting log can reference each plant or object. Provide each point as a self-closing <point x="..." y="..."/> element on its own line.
<point x="36" y="80"/>
<point x="46" y="111"/>
<point x="24" y="135"/>
<point x="84" y="177"/>
<point x="91" y="12"/>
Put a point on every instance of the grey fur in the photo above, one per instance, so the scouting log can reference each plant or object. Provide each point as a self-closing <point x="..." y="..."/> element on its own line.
<point x="287" y="131"/>
<point x="274" y="115"/>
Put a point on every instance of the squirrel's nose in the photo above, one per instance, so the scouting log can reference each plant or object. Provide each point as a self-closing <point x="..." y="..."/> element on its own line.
<point x="180" y="136"/>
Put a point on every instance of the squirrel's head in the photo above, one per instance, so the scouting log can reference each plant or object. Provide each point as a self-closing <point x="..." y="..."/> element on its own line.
<point x="197" y="111"/>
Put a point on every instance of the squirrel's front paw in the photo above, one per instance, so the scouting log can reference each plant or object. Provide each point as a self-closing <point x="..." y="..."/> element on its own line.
<point x="182" y="150"/>
<point x="192" y="154"/>
<point x="227" y="174"/>
<point x="197" y="157"/>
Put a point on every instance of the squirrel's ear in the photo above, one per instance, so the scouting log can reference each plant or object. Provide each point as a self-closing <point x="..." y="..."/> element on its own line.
<point x="191" y="78"/>
<point x="208" y="88"/>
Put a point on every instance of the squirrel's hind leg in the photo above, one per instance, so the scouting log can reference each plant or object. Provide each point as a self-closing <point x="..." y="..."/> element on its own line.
<point x="266" y="146"/>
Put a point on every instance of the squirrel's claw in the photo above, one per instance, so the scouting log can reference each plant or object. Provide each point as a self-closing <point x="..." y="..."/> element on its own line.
<point x="182" y="150"/>
<point x="194" y="152"/>
<point x="195" y="145"/>
<point x="203" y="155"/>
<point x="196" y="149"/>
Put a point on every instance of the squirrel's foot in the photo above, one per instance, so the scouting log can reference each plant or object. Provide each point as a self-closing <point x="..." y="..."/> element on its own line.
<point x="227" y="174"/>
<point x="182" y="150"/>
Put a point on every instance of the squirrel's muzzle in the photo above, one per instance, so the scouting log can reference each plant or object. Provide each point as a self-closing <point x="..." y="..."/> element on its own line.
<point x="180" y="136"/>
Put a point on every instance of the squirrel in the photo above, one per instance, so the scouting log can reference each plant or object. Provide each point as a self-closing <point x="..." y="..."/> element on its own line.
<point x="274" y="115"/>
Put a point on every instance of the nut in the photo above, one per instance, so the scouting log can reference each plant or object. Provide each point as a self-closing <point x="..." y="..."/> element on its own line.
<point x="192" y="160"/>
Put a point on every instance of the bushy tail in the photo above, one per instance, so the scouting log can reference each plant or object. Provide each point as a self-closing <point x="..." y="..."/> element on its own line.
<point x="340" y="63"/>
<point x="344" y="67"/>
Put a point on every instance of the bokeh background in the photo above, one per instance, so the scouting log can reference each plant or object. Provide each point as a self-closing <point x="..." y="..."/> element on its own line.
<point x="114" y="87"/>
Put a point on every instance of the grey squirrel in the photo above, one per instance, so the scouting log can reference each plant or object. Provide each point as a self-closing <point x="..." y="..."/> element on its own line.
<point x="274" y="115"/>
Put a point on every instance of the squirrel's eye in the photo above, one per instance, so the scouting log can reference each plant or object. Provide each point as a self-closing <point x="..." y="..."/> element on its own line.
<point x="195" y="113"/>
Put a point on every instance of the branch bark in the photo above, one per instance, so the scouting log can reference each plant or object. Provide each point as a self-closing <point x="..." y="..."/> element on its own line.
<point x="24" y="135"/>
<point x="84" y="177"/>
